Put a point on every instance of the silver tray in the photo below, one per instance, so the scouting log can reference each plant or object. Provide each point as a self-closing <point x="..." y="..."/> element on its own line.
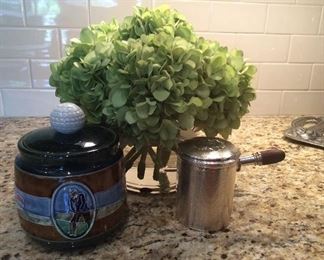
<point x="307" y="129"/>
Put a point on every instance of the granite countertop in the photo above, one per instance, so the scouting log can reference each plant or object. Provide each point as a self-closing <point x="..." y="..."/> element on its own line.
<point x="278" y="209"/>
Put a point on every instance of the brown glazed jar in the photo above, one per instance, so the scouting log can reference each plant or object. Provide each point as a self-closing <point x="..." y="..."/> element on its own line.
<point x="70" y="188"/>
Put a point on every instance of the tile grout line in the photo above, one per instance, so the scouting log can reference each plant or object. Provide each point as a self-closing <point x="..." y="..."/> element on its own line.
<point x="33" y="89"/>
<point x="310" y="78"/>
<point x="1" y="104"/>
<point x="321" y="21"/>
<point x="281" y="102"/>
<point x="266" y="21"/>
<point x="59" y="39"/>
<point x="48" y="27"/>
<point x="23" y="10"/>
<point x="89" y="13"/>
<point x="210" y="14"/>
<point x="31" y="81"/>
<point x="39" y="27"/>
<point x="289" y="49"/>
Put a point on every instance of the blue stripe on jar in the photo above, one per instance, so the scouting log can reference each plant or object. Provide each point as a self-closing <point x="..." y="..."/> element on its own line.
<point x="110" y="196"/>
<point x="33" y="204"/>
<point x="37" y="209"/>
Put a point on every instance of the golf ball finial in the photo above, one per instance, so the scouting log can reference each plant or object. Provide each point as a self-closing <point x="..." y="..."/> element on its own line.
<point x="67" y="118"/>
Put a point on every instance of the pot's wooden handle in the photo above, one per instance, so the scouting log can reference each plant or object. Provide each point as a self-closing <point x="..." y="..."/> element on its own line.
<point x="272" y="156"/>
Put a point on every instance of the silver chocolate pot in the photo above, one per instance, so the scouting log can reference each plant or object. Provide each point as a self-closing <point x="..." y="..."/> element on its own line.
<point x="206" y="175"/>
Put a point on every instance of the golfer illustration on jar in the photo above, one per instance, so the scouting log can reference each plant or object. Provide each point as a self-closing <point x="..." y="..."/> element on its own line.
<point x="73" y="210"/>
<point x="79" y="209"/>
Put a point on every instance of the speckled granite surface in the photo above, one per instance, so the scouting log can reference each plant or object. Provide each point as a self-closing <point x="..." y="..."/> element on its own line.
<point x="278" y="209"/>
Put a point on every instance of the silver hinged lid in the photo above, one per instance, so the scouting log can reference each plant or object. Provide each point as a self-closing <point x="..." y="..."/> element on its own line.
<point x="210" y="151"/>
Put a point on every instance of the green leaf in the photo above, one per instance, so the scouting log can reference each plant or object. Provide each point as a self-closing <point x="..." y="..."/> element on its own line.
<point x="225" y="132"/>
<point x="232" y="91"/>
<point x="184" y="32"/>
<point x="142" y="109"/>
<point x="120" y="115"/>
<point x="168" y="130"/>
<point x="54" y="67"/>
<point x="177" y="67"/>
<point x="178" y="52"/>
<point x="219" y="99"/>
<point x="216" y="64"/>
<point x="91" y="57"/>
<point x="87" y="36"/>
<point x="236" y="59"/>
<point x="125" y="86"/>
<point x="195" y="101"/>
<point x="161" y="94"/>
<point x="141" y="125"/>
<point x="186" y="121"/>
<point x="235" y="124"/>
<point x="179" y="106"/>
<point x="131" y="117"/>
<point x="193" y="84"/>
<point x="108" y="111"/>
<point x="119" y="97"/>
<point x="191" y="64"/>
<point x="203" y="91"/>
<point x="207" y="102"/>
<point x="121" y="47"/>
<point x="152" y="121"/>
<point x="202" y="115"/>
<point x="80" y="74"/>
<point x="147" y="52"/>
<point x="167" y="84"/>
<point x="221" y="124"/>
<point x="195" y="55"/>
<point x="102" y="48"/>
<point x="250" y="70"/>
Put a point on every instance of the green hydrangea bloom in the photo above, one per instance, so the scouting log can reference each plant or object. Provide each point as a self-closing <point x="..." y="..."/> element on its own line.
<point x="151" y="76"/>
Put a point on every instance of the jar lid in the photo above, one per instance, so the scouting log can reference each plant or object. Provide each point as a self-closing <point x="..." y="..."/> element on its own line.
<point x="205" y="150"/>
<point x="90" y="147"/>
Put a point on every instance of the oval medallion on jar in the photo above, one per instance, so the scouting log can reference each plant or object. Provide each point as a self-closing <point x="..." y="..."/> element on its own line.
<point x="73" y="210"/>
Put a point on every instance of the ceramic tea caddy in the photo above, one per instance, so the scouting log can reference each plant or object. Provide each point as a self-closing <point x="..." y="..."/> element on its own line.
<point x="70" y="183"/>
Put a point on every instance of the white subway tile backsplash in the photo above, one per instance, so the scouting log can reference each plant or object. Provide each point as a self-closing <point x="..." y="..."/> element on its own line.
<point x="14" y="74"/>
<point x="263" y="48"/>
<point x="302" y="103"/>
<point x="293" y="19"/>
<point x="196" y="12"/>
<point x="67" y="35"/>
<point x="266" y="103"/>
<point x="307" y="49"/>
<point x="317" y="81"/>
<point x="106" y="10"/>
<point x="310" y="2"/>
<point x="1" y="106"/>
<point x="283" y="38"/>
<point x="40" y="70"/>
<point x="248" y="17"/>
<point x="28" y="102"/>
<point x="28" y="43"/>
<point x="66" y="13"/>
<point x="284" y="76"/>
<point x="11" y="13"/>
